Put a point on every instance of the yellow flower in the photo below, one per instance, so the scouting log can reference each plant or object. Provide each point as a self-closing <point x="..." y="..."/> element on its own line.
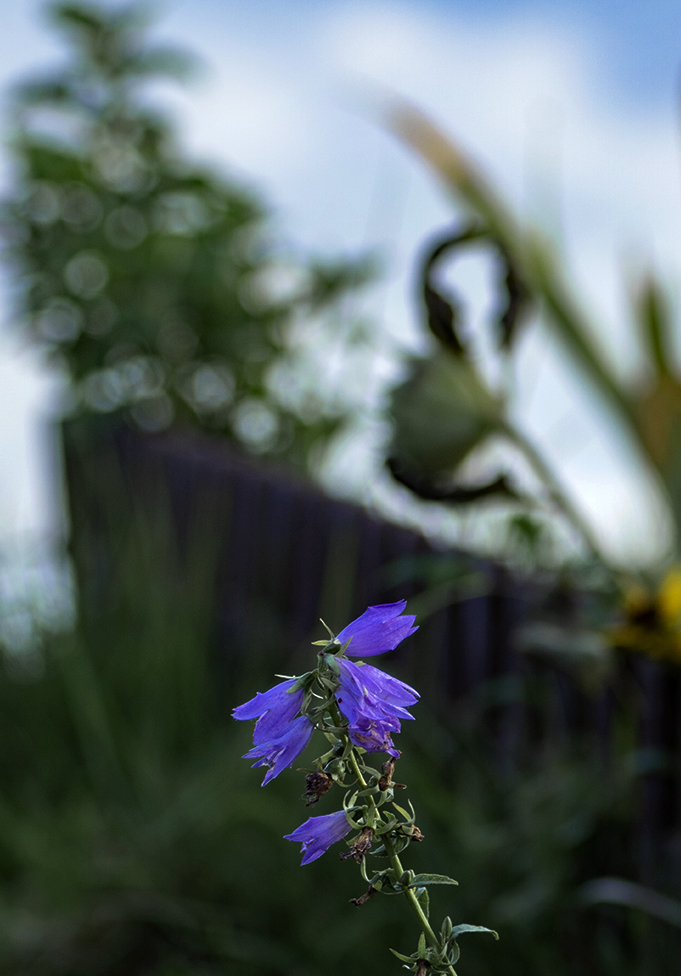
<point x="652" y="620"/>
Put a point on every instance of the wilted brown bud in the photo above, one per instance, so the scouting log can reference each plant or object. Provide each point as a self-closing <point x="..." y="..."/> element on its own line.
<point x="422" y="967"/>
<point x="316" y="785"/>
<point x="386" y="780"/>
<point x="388" y="768"/>
<point x="416" y="833"/>
<point x="363" y="899"/>
<point x="360" y="846"/>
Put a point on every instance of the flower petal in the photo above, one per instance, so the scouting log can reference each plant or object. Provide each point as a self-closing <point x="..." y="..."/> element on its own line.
<point x="277" y="699"/>
<point x="318" y="834"/>
<point x="388" y="688"/>
<point x="372" y="701"/>
<point x="379" y="629"/>
<point x="373" y="736"/>
<point x="281" y="752"/>
<point x="279" y="737"/>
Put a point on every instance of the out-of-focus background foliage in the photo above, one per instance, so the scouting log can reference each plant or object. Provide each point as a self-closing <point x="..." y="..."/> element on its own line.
<point x="157" y="285"/>
<point x="133" y="838"/>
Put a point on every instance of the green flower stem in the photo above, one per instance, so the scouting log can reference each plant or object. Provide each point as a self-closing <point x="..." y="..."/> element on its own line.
<point x="394" y="858"/>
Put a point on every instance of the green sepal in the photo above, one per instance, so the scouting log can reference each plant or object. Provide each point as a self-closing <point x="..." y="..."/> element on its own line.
<point x="428" y="879"/>
<point x="349" y="808"/>
<point x="335" y="768"/>
<point x="349" y="799"/>
<point x="322" y="643"/>
<point x="336" y="730"/>
<point x="329" y="631"/>
<point x="327" y="758"/>
<point x="386" y="828"/>
<point x="408" y="818"/>
<point x="377" y="879"/>
<point x="421" y="950"/>
<point x="353" y="823"/>
<point x="369" y="791"/>
<point x="384" y="881"/>
<point x="436" y="957"/>
<point x="305" y="681"/>
<point x="330" y="662"/>
<point x="408" y="959"/>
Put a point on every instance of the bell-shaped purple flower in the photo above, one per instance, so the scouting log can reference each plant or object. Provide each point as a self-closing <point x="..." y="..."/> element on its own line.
<point x="378" y="630"/>
<point x="279" y="736"/>
<point x="373" y="703"/>
<point x="318" y="834"/>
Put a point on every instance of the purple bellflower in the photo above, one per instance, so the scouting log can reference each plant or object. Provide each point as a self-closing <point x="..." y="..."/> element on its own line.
<point x="373" y="703"/>
<point x="318" y="834"/>
<point x="378" y="630"/>
<point x="279" y="736"/>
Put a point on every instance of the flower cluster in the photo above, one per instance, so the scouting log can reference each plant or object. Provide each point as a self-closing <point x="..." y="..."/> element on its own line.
<point x="358" y="708"/>
<point x="371" y="701"/>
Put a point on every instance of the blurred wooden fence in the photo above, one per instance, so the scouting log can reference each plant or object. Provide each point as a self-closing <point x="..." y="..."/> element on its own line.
<point x="285" y="554"/>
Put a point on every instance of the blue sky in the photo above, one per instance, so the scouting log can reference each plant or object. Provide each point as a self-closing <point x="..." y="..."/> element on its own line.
<point x="571" y="107"/>
<point x="638" y="43"/>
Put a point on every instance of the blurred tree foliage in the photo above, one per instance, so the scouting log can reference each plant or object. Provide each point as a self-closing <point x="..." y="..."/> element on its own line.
<point x="157" y="284"/>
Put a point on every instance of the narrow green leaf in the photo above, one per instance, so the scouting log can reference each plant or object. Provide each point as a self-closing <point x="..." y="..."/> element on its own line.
<point x="654" y="324"/>
<point x="428" y="879"/>
<point x="458" y="929"/>
<point x="421" y="951"/>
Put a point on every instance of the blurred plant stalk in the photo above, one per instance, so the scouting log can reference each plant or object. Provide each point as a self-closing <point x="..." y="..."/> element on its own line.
<point x="649" y="413"/>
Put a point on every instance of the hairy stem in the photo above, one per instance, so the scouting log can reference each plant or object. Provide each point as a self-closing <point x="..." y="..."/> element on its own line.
<point x="394" y="858"/>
